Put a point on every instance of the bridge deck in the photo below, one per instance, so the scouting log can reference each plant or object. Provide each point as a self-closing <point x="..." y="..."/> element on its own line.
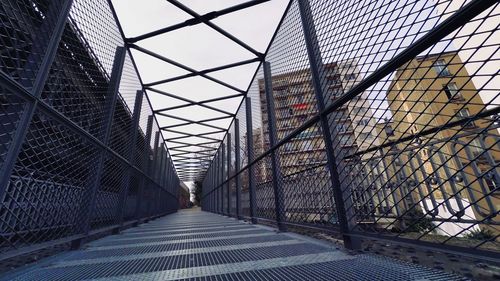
<point x="194" y="245"/>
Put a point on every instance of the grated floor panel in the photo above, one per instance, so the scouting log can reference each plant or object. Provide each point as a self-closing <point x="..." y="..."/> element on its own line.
<point x="194" y="245"/>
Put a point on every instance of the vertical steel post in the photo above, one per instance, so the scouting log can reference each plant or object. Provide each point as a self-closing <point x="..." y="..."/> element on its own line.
<point x="250" y="154"/>
<point x="210" y="193"/>
<point x="211" y="186"/>
<point x="237" y="166"/>
<point x="145" y="168"/>
<point x="88" y="202"/>
<point x="159" y="167"/>
<point x="273" y="136"/>
<point x="340" y="191"/>
<point x="228" y="173"/>
<point x="168" y="181"/>
<point x="153" y="170"/>
<point x="36" y="89"/>
<point x="217" y="181"/>
<point x="221" y="180"/>
<point x="214" y="181"/>
<point x="223" y="172"/>
<point x="163" y="172"/>
<point x="132" y="145"/>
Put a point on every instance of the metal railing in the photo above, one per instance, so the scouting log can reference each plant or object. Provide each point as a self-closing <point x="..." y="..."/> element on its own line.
<point x="80" y="150"/>
<point x="372" y="120"/>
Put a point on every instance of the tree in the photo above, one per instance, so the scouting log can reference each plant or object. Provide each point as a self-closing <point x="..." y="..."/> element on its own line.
<point x="197" y="192"/>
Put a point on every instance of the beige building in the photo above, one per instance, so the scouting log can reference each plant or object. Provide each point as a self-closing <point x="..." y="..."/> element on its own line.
<point x="451" y="173"/>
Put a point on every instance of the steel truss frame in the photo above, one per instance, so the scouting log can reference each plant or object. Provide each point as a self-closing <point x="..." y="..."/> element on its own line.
<point x="179" y="159"/>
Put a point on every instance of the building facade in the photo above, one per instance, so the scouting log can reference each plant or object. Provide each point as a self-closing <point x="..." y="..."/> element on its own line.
<point x="448" y="175"/>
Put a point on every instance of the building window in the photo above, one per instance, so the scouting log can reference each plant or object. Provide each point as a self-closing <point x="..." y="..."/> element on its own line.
<point x="441" y="69"/>
<point x="364" y="136"/>
<point x="476" y="147"/>
<point x="342" y="128"/>
<point x="462" y="114"/>
<point x="451" y="91"/>
<point x="492" y="185"/>
<point x="363" y="122"/>
<point x="307" y="145"/>
<point x="350" y="76"/>
<point x="345" y="140"/>
<point x="359" y="110"/>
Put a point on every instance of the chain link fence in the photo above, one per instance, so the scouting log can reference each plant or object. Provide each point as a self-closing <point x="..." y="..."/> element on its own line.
<point x="80" y="150"/>
<point x="374" y="121"/>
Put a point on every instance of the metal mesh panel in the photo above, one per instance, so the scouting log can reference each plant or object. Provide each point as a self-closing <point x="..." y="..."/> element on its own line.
<point x="305" y="179"/>
<point x="106" y="202"/>
<point x="258" y="112"/>
<point x="132" y="196"/>
<point x="26" y="29"/>
<point x="96" y="23"/>
<point x="264" y="189"/>
<point x="401" y="102"/>
<point x="142" y="147"/>
<point x="47" y="185"/>
<point x="76" y="86"/>
<point x="66" y="178"/>
<point x="403" y="180"/>
<point x="11" y="108"/>
<point x="120" y="129"/>
<point x="291" y="80"/>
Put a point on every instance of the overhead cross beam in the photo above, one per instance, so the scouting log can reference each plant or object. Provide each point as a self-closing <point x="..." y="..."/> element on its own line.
<point x="188" y="135"/>
<point x="180" y="65"/>
<point x="179" y="145"/>
<point x="167" y="128"/>
<point x="200" y="102"/>
<point x="176" y="148"/>
<point x="191" y="121"/>
<point x="195" y="21"/>
<point x="189" y="101"/>
<point x="190" y="152"/>
<point x="207" y="21"/>
<point x="209" y="70"/>
<point x="191" y="158"/>
<point x="195" y="144"/>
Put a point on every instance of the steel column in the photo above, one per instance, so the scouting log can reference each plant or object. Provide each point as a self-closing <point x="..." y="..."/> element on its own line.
<point x="163" y="167"/>
<point x="221" y="176"/>
<point x="340" y="191"/>
<point x="154" y="166"/>
<point x="145" y="166"/>
<point x="228" y="136"/>
<point x="237" y="166"/>
<point x="223" y="172"/>
<point x="251" y="170"/>
<point x="89" y="199"/>
<point x="273" y="136"/>
<point x="131" y="155"/>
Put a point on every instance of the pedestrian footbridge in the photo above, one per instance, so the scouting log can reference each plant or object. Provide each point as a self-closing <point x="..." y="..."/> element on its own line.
<point x="371" y="125"/>
<point x="196" y="245"/>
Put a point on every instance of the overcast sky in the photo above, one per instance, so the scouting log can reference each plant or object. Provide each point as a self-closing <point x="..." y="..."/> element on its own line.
<point x="200" y="47"/>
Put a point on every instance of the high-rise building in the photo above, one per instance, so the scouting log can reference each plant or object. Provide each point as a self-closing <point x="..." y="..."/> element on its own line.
<point x="295" y="102"/>
<point x="303" y="159"/>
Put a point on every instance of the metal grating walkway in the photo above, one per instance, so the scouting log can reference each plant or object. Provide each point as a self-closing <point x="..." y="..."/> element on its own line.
<point x="195" y="245"/>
